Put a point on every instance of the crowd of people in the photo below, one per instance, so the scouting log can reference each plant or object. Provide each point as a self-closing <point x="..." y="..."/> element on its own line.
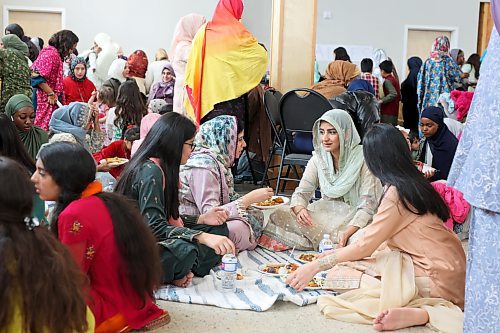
<point x="101" y="237"/>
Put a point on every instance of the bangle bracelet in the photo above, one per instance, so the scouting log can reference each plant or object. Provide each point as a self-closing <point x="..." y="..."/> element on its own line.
<point x="51" y="94"/>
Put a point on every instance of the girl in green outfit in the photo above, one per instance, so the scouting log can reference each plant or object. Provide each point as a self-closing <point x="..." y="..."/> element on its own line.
<point x="189" y="245"/>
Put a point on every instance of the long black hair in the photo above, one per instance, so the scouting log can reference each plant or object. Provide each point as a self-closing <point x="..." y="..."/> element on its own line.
<point x="165" y="141"/>
<point x="37" y="272"/>
<point x="73" y="169"/>
<point x="130" y="106"/>
<point x="475" y="61"/>
<point x="63" y="41"/>
<point x="11" y="144"/>
<point x="388" y="158"/>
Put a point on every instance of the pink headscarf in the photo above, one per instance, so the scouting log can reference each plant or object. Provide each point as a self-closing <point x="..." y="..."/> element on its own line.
<point x="146" y="124"/>
<point x="185" y="30"/>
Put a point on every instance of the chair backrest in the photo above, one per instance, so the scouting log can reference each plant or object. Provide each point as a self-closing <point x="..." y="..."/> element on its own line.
<point x="300" y="108"/>
<point x="272" y="99"/>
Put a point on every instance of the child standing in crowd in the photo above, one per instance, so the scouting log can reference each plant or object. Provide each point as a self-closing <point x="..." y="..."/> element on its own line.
<point x="366" y="74"/>
<point x="389" y="104"/>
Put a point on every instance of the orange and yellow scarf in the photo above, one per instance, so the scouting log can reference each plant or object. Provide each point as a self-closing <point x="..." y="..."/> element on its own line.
<point x="225" y="61"/>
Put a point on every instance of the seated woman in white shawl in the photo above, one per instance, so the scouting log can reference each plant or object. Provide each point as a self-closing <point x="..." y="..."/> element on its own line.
<point x="350" y="193"/>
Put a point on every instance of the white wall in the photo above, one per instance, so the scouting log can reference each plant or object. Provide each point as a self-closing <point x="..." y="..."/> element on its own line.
<point x="381" y="24"/>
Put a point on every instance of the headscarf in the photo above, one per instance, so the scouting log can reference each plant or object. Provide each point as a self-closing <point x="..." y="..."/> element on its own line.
<point x="35" y="137"/>
<point x="216" y="143"/>
<point x="138" y="64"/>
<point x="155" y="105"/>
<point x="379" y="55"/>
<point x="414" y="64"/>
<point x="76" y="61"/>
<point x="443" y="144"/>
<point x="361" y="85"/>
<point x="162" y="88"/>
<point x="109" y="52"/>
<point x="338" y="74"/>
<point x="146" y="124"/>
<point x="16" y="45"/>
<point x="37" y="42"/>
<point x="454" y="55"/>
<point x="342" y="183"/>
<point x="225" y="61"/>
<point x="116" y="70"/>
<point x="440" y="48"/>
<point x="185" y="30"/>
<point x="71" y="119"/>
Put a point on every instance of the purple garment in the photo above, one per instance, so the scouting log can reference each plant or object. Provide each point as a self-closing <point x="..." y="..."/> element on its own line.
<point x="495" y="13"/>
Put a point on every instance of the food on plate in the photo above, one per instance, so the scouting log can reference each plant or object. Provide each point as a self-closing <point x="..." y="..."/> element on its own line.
<point x="271" y="202"/>
<point x="307" y="256"/>
<point x="116" y="160"/>
<point x="239" y="276"/>
<point x="273" y="267"/>
<point x="313" y="284"/>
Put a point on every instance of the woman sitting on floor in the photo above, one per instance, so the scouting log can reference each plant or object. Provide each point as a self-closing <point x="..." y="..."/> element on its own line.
<point x="106" y="236"/>
<point x="152" y="179"/>
<point x="41" y="285"/>
<point x="207" y="181"/>
<point x="440" y="144"/>
<point x="422" y="269"/>
<point x="348" y="188"/>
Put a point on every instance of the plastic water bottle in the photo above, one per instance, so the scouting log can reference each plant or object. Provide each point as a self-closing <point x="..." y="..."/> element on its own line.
<point x="110" y="187"/>
<point x="325" y="244"/>
<point x="228" y="273"/>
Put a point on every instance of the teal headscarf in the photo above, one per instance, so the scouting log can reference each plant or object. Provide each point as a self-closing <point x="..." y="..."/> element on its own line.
<point x="344" y="183"/>
<point x="215" y="150"/>
<point x="35" y="137"/>
<point x="15" y="44"/>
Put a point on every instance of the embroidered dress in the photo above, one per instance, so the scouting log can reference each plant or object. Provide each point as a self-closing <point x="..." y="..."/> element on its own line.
<point x="85" y="226"/>
<point x="207" y="181"/>
<point x="350" y="196"/>
<point x="49" y="66"/>
<point x="475" y="173"/>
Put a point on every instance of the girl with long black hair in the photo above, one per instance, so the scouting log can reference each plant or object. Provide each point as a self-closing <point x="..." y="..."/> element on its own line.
<point x="106" y="236"/>
<point x="41" y="285"/>
<point x="188" y="244"/>
<point x="419" y="277"/>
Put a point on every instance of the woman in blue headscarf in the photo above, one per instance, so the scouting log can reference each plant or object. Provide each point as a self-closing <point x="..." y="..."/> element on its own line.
<point x="409" y="95"/>
<point x="440" y="143"/>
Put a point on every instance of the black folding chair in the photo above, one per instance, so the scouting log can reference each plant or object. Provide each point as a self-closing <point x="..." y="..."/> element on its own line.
<point x="272" y="99"/>
<point x="299" y="109"/>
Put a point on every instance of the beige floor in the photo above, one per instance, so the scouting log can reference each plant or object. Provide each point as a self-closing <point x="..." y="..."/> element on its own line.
<point x="282" y="317"/>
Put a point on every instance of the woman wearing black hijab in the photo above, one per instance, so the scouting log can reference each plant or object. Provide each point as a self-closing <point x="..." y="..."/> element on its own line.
<point x="440" y="144"/>
<point x="409" y="94"/>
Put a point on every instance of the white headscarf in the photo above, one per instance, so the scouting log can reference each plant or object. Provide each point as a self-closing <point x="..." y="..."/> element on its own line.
<point x="109" y="52"/>
<point x="379" y="55"/>
<point x="116" y="70"/>
<point x="344" y="183"/>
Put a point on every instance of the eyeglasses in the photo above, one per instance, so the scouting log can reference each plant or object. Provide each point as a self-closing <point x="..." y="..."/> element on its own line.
<point x="192" y="145"/>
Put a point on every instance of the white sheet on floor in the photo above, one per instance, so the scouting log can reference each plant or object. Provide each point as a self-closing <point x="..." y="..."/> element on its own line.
<point x="257" y="293"/>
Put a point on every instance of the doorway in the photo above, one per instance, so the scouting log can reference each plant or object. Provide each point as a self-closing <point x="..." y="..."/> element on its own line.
<point x="485" y="27"/>
<point x="36" y="22"/>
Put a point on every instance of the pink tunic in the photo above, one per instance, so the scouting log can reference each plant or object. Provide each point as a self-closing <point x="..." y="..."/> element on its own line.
<point x="49" y="65"/>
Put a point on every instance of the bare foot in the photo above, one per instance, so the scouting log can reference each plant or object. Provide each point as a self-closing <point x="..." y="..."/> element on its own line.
<point x="185" y="281"/>
<point x="397" y="318"/>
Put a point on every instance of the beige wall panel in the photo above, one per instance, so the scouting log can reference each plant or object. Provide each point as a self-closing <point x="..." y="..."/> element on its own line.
<point x="37" y="24"/>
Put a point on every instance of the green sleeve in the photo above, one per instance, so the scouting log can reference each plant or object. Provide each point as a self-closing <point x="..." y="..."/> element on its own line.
<point x="151" y="199"/>
<point x="393" y="93"/>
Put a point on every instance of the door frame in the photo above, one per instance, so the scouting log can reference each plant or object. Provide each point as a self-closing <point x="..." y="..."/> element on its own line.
<point x="453" y="41"/>
<point x="9" y="8"/>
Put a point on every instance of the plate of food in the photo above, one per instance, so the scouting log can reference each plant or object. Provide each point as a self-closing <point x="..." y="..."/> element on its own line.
<point x="272" y="203"/>
<point x="306" y="257"/>
<point x="273" y="268"/>
<point x="315" y="284"/>
<point x="114" y="161"/>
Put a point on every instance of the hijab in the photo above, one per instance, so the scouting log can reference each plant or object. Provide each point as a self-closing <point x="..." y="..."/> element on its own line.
<point x="138" y="64"/>
<point x="440" y="48"/>
<point x="146" y="124"/>
<point x="337" y="75"/>
<point x="454" y="54"/>
<point x="35" y="137"/>
<point x="344" y="183"/>
<point x="165" y="88"/>
<point x="16" y="45"/>
<point x="361" y="85"/>
<point x="76" y="61"/>
<point x="116" y="70"/>
<point x="414" y="64"/>
<point x="379" y="55"/>
<point x="185" y="30"/>
<point x="71" y="119"/>
<point x="216" y="143"/>
<point x="443" y="144"/>
<point x="155" y="105"/>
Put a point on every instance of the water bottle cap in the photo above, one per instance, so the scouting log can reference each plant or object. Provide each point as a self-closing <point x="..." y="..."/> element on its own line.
<point x="326" y="236"/>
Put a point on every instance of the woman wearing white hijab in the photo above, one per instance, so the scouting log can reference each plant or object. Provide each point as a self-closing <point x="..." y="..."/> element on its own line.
<point x="105" y="51"/>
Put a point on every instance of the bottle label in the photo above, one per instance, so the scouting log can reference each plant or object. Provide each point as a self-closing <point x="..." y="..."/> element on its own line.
<point x="228" y="267"/>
